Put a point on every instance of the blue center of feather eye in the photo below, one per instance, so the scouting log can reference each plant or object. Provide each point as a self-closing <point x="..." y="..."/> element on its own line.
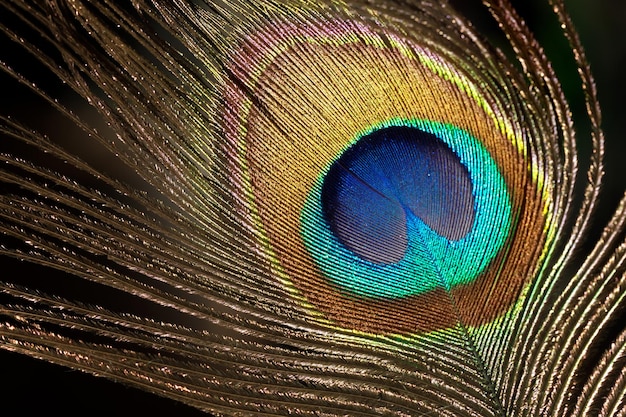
<point x="409" y="207"/>
<point x="388" y="178"/>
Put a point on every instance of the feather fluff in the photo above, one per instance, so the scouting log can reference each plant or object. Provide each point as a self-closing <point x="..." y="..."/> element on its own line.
<point x="309" y="208"/>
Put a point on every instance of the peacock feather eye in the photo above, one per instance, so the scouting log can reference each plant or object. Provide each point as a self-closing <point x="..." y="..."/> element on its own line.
<point x="402" y="212"/>
<point x="383" y="179"/>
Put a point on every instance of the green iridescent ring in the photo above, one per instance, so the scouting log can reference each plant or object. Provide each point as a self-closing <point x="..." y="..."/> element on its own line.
<point x="431" y="259"/>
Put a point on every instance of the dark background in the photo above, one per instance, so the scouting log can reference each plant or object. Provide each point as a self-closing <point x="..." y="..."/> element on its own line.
<point x="32" y="387"/>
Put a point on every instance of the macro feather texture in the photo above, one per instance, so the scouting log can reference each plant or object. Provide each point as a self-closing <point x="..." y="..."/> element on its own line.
<point x="323" y="208"/>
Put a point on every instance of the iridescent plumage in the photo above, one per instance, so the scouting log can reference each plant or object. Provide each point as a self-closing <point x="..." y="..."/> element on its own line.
<point x="345" y="208"/>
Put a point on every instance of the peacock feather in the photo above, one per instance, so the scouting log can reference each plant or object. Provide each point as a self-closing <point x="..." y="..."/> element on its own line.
<point x="297" y="207"/>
